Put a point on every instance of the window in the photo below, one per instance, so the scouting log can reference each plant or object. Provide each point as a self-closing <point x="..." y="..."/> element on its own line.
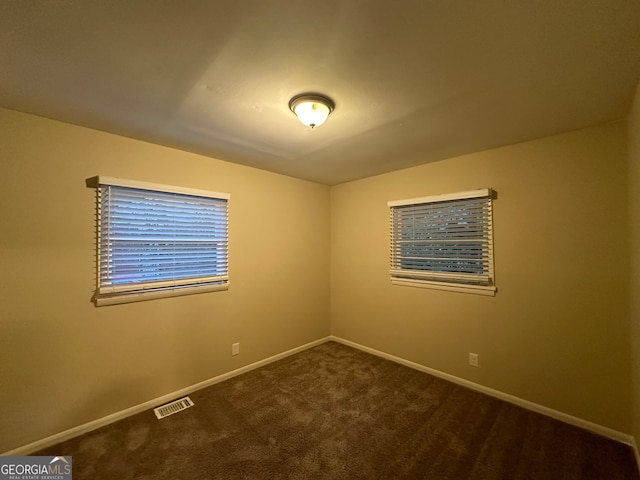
<point x="444" y="242"/>
<point x="158" y="241"/>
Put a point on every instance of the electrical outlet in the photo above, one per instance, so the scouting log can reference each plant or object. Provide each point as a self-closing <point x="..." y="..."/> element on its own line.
<point x="235" y="349"/>
<point x="473" y="359"/>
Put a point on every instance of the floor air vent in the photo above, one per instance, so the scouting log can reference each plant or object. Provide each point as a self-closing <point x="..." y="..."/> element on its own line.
<point x="173" y="407"/>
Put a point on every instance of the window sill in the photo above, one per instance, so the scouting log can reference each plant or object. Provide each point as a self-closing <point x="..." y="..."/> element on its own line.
<point x="450" y="287"/>
<point x="141" y="296"/>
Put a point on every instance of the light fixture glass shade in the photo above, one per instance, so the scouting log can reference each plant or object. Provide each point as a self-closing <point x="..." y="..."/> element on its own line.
<point x="311" y="110"/>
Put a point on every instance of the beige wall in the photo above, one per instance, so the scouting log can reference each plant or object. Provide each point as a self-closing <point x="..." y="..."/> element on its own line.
<point x="64" y="362"/>
<point x="634" y="218"/>
<point x="556" y="333"/>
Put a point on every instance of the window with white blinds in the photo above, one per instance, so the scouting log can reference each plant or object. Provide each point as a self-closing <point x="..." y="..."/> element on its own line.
<point x="444" y="241"/>
<point x="159" y="241"/>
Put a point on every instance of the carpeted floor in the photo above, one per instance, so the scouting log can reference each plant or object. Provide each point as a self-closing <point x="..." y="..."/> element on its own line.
<point x="333" y="412"/>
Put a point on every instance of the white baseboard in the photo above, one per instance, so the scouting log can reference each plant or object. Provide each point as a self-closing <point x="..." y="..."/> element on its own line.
<point x="634" y="445"/>
<point x="101" y="422"/>
<point x="564" y="417"/>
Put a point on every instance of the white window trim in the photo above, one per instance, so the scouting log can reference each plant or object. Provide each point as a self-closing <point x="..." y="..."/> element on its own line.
<point x="450" y="287"/>
<point x="112" y="295"/>
<point x="411" y="281"/>
<point x="482" y="192"/>
<point x="150" y="295"/>
<point x="157" y="187"/>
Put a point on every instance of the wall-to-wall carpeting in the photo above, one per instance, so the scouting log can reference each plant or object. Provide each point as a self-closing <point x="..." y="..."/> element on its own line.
<point x="333" y="412"/>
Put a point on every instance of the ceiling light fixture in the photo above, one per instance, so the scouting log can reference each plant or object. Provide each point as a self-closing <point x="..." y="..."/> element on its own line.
<point x="311" y="109"/>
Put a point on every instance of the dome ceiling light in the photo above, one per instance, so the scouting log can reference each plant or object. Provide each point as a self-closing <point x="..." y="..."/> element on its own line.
<point x="311" y="109"/>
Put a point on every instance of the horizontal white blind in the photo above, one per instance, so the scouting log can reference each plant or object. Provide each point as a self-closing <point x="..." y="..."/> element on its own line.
<point x="153" y="240"/>
<point x="446" y="239"/>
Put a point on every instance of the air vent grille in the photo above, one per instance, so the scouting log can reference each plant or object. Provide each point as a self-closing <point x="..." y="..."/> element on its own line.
<point x="173" y="407"/>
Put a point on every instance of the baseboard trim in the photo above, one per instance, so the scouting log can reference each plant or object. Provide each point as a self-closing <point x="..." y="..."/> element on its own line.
<point x="101" y="422"/>
<point x="634" y="445"/>
<point x="534" y="407"/>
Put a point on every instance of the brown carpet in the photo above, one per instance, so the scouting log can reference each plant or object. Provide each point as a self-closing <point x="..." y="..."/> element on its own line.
<point x="333" y="412"/>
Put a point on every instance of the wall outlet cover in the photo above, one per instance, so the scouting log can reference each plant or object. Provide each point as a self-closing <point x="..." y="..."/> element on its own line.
<point x="473" y="359"/>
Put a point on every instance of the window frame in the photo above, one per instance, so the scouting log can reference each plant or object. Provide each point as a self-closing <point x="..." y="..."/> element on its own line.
<point x="456" y="281"/>
<point x="108" y="293"/>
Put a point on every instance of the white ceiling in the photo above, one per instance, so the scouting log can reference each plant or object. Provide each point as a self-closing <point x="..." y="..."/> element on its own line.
<point x="413" y="81"/>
